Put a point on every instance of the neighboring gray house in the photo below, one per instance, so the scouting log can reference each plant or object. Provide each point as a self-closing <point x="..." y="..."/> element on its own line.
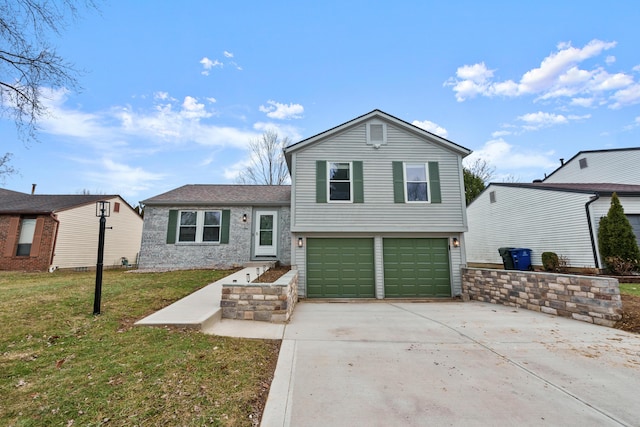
<point x="543" y="216"/>
<point x="216" y="226"/>
<point x="376" y="209"/>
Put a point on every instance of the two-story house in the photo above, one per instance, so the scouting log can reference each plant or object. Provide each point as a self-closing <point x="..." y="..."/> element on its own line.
<point x="376" y="209"/>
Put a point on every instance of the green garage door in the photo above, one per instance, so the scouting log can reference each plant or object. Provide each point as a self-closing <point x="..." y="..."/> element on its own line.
<point x="416" y="268"/>
<point x="340" y="268"/>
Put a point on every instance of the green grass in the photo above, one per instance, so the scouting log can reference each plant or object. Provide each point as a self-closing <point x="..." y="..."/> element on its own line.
<point x="60" y="365"/>
<point x="630" y="289"/>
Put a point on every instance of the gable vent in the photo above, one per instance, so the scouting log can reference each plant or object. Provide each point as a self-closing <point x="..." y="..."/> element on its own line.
<point x="376" y="133"/>
<point x="583" y="163"/>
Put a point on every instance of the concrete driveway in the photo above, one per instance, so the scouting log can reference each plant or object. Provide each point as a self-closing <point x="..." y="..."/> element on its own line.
<point x="455" y="364"/>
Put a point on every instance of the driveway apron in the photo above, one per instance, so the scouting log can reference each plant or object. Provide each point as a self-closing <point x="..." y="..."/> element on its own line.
<point x="456" y="364"/>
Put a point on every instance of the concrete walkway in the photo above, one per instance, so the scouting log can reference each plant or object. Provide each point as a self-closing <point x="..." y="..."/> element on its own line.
<point x="201" y="310"/>
<point x="455" y="364"/>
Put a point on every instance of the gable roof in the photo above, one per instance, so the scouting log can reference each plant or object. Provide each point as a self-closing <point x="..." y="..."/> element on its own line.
<point x="225" y="194"/>
<point x="595" y="188"/>
<point x="375" y="114"/>
<point x="12" y="202"/>
<point x="581" y="153"/>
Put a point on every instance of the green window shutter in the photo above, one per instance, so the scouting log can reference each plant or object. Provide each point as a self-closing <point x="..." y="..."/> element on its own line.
<point x="434" y="182"/>
<point x="171" y="228"/>
<point x="224" y="231"/>
<point x="358" y="183"/>
<point x="321" y="181"/>
<point x="398" y="182"/>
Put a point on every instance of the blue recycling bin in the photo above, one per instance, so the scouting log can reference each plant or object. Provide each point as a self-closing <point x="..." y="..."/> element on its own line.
<point x="521" y="258"/>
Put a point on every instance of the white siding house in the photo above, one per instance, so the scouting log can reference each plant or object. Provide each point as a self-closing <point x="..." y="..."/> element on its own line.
<point x="358" y="230"/>
<point x="543" y="217"/>
<point x="616" y="166"/>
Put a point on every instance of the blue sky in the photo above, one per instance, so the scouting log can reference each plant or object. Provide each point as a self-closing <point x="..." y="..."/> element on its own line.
<point x="174" y="91"/>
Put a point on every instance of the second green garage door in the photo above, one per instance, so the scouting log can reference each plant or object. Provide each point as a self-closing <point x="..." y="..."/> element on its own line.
<point x="340" y="268"/>
<point x="416" y="268"/>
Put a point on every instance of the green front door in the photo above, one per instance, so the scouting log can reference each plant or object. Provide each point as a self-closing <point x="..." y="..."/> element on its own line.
<point x="340" y="268"/>
<point x="416" y="268"/>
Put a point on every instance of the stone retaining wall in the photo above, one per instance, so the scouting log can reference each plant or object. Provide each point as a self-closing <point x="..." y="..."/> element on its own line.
<point x="590" y="299"/>
<point x="266" y="302"/>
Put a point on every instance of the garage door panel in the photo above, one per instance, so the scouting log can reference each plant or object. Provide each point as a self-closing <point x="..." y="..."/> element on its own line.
<point x="416" y="268"/>
<point x="340" y="268"/>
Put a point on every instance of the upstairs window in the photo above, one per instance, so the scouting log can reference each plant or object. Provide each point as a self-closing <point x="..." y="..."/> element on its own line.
<point x="339" y="180"/>
<point x="417" y="184"/>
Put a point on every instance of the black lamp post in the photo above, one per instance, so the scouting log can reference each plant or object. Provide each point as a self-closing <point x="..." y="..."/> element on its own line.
<point x="103" y="210"/>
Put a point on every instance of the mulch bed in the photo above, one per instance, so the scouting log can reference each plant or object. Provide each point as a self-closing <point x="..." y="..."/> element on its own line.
<point x="630" y="314"/>
<point x="273" y="274"/>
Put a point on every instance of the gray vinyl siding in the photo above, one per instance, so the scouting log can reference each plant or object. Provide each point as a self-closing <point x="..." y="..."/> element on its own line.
<point x="619" y="167"/>
<point x="378" y="213"/>
<point x="529" y="218"/>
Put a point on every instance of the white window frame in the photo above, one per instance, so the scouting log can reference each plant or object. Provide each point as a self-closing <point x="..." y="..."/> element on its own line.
<point x="406" y="182"/>
<point x="25" y="237"/>
<point x="384" y="133"/>
<point x="329" y="200"/>
<point x="200" y="227"/>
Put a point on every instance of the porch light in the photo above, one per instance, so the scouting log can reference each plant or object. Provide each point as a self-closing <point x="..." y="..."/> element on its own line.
<point x="300" y="242"/>
<point x="244" y="217"/>
<point x="455" y="242"/>
<point x="103" y="210"/>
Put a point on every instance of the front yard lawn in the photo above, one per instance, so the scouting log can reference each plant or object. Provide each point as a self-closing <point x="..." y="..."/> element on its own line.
<point x="60" y="365"/>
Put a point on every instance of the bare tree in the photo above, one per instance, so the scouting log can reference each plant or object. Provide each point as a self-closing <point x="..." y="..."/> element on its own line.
<point x="5" y="168"/>
<point x="482" y="169"/>
<point x="267" y="164"/>
<point x="28" y="62"/>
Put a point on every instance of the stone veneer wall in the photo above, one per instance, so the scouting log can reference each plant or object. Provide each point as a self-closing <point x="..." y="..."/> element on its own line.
<point x="590" y="299"/>
<point x="267" y="302"/>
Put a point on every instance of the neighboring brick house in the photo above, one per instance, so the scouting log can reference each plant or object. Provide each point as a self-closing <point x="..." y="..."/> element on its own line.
<point x="46" y="232"/>
<point x="216" y="226"/>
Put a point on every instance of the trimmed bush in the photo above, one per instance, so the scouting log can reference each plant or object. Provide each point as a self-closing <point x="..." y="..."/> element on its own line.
<point x="616" y="241"/>
<point x="550" y="261"/>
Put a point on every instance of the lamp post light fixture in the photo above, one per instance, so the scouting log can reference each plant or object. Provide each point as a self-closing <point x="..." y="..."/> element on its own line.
<point x="103" y="210"/>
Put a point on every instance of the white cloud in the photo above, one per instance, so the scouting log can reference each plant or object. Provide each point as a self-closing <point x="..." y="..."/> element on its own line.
<point x="431" y="127"/>
<point x="499" y="133"/>
<point x="122" y="178"/>
<point x="610" y="59"/>
<point x="208" y="64"/>
<point x="284" y="131"/>
<point x="227" y="54"/>
<point x="211" y="100"/>
<point x="627" y="96"/>
<point x="535" y="121"/>
<point x="508" y="158"/>
<point x="558" y="76"/>
<point x="276" y="110"/>
<point x="582" y="102"/>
